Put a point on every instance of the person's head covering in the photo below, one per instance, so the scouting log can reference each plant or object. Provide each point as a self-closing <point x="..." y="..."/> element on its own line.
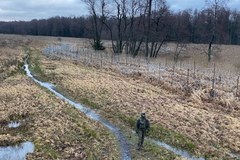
<point x="143" y="115"/>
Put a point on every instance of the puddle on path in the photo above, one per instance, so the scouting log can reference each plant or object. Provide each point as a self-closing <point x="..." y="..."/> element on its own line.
<point x="14" y="124"/>
<point x="18" y="152"/>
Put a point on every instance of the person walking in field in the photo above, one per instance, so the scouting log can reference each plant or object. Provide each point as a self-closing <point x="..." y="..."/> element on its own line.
<point x="142" y="127"/>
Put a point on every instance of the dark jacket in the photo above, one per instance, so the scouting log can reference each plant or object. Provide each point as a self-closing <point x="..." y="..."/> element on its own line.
<point x="142" y="124"/>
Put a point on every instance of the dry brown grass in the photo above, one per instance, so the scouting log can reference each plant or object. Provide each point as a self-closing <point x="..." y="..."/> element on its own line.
<point x="10" y="61"/>
<point x="213" y="123"/>
<point x="58" y="130"/>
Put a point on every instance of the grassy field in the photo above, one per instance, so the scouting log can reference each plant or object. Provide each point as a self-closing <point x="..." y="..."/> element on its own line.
<point x="45" y="71"/>
<point x="196" y="122"/>
<point x="58" y="130"/>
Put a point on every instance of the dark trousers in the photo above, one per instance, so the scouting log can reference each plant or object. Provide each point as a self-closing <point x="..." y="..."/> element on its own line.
<point x="141" y="135"/>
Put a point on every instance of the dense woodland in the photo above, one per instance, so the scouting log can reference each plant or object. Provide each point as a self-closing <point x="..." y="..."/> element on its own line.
<point x="133" y="23"/>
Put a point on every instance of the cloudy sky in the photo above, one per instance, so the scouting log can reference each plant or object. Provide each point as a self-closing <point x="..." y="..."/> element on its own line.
<point x="11" y="10"/>
<point x="199" y="4"/>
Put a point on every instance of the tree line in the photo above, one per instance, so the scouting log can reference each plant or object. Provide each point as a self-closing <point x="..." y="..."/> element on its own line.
<point x="55" y="26"/>
<point x="135" y="24"/>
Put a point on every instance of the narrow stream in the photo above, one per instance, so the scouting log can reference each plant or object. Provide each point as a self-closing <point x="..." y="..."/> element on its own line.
<point x="17" y="152"/>
<point x="125" y="154"/>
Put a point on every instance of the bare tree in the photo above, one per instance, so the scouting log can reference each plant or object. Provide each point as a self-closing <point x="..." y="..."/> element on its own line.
<point x="158" y="34"/>
<point x="125" y="21"/>
<point x="133" y="38"/>
<point x="97" y="20"/>
<point x="148" y="12"/>
<point x="179" y="49"/>
<point x="121" y="25"/>
<point x="181" y="31"/>
<point x="214" y="6"/>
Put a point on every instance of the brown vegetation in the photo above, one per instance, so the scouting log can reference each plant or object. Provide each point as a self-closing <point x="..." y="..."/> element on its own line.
<point x="58" y="130"/>
<point x="210" y="125"/>
<point x="120" y="91"/>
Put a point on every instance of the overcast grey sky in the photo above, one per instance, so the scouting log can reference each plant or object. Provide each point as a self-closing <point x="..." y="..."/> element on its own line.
<point x="11" y="10"/>
<point x="199" y="4"/>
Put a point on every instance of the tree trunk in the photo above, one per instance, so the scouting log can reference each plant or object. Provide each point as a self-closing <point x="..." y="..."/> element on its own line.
<point x="149" y="5"/>
<point x="210" y="48"/>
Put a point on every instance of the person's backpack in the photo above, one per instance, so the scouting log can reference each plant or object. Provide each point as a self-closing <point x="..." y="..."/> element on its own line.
<point x="142" y="123"/>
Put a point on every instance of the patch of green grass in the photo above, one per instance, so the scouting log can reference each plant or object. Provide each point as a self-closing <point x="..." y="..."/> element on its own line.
<point x="72" y="113"/>
<point x="36" y="67"/>
<point x="91" y="133"/>
<point x="89" y="103"/>
<point x="92" y="155"/>
<point x="158" y="152"/>
<point x="129" y="120"/>
<point x="47" y="150"/>
<point x="83" y="100"/>
<point x="171" y="137"/>
<point x="34" y="64"/>
<point x="76" y="118"/>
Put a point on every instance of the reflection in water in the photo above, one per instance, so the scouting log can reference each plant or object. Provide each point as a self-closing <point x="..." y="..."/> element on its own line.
<point x="17" y="152"/>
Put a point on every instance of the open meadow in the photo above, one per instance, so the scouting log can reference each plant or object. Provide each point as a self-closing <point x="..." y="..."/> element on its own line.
<point x="190" y="106"/>
<point x="57" y="130"/>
